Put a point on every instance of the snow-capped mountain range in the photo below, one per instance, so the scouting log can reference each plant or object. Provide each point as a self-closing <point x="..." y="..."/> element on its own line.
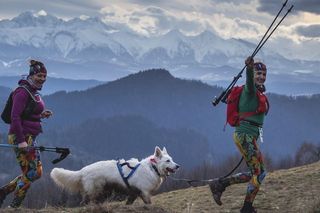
<point x="90" y="49"/>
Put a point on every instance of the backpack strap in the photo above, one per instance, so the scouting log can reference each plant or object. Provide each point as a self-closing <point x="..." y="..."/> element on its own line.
<point x="30" y="104"/>
<point x="244" y="115"/>
<point x="252" y="123"/>
<point x="28" y="90"/>
<point x="241" y="118"/>
<point x="263" y="107"/>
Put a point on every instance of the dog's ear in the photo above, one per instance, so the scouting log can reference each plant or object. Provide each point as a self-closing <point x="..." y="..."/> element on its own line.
<point x="164" y="150"/>
<point x="157" y="152"/>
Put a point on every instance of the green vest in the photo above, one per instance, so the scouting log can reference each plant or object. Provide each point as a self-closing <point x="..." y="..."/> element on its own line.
<point x="249" y="103"/>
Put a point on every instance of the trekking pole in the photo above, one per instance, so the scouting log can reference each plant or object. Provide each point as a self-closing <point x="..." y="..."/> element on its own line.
<point x="63" y="151"/>
<point x="225" y="93"/>
<point x="258" y="48"/>
<point x="289" y="10"/>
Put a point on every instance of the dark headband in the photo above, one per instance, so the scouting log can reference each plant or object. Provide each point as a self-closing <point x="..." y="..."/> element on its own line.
<point x="36" y="67"/>
<point x="260" y="66"/>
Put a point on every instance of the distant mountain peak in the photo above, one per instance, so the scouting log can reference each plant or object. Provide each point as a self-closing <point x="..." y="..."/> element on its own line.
<point x="175" y="32"/>
<point x="151" y="74"/>
<point x="156" y="72"/>
<point x="207" y="33"/>
<point x="142" y="80"/>
<point x="35" y="19"/>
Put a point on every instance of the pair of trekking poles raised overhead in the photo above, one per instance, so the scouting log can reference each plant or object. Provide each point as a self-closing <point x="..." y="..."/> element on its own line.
<point x="223" y="96"/>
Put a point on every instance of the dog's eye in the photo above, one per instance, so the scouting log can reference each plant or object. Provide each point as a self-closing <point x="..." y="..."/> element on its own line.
<point x="168" y="161"/>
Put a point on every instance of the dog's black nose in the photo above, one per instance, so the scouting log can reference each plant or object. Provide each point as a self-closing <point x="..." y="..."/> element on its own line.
<point x="177" y="166"/>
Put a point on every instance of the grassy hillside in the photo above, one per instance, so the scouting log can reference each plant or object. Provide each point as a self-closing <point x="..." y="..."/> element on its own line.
<point x="292" y="190"/>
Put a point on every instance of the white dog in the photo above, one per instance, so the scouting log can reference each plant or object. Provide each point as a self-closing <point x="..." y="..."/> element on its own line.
<point x="133" y="178"/>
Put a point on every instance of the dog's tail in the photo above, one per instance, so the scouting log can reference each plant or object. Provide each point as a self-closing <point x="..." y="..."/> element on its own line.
<point x="66" y="179"/>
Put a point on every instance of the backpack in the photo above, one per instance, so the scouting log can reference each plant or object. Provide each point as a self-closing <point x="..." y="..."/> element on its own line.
<point x="31" y="103"/>
<point x="233" y="116"/>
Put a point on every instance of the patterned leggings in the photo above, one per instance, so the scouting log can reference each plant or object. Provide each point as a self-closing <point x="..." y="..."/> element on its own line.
<point x="247" y="145"/>
<point x="31" y="167"/>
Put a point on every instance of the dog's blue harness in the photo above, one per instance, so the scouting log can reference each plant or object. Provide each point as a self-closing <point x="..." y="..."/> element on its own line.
<point x="125" y="178"/>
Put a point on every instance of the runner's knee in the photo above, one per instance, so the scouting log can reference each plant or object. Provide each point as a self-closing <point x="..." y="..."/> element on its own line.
<point x="258" y="179"/>
<point x="34" y="174"/>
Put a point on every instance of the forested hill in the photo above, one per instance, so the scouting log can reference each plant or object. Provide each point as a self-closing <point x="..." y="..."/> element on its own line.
<point x="135" y="114"/>
<point x="154" y="94"/>
<point x="127" y="117"/>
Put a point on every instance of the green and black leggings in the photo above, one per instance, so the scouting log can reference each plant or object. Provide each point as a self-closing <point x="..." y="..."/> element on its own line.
<point x="31" y="167"/>
<point x="247" y="145"/>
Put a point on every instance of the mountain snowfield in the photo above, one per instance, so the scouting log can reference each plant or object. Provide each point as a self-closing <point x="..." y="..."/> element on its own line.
<point x="90" y="49"/>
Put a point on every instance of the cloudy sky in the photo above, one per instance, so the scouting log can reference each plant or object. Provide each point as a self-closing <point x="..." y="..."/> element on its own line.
<point x="246" y="19"/>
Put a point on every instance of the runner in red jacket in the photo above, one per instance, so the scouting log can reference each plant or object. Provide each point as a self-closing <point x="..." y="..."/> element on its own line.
<point x="245" y="137"/>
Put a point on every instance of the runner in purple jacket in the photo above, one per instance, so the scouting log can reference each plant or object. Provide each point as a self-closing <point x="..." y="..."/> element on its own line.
<point x="24" y="130"/>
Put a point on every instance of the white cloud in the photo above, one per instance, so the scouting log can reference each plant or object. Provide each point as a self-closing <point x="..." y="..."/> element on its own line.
<point x="310" y="6"/>
<point x="303" y="71"/>
<point x="228" y="19"/>
<point x="245" y="19"/>
<point x="152" y="20"/>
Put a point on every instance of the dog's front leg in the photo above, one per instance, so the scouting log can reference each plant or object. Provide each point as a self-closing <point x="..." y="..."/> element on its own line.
<point x="131" y="199"/>
<point x="85" y="200"/>
<point x="146" y="198"/>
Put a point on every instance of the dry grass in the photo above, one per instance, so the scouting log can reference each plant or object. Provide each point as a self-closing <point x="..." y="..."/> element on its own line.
<point x="294" y="190"/>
